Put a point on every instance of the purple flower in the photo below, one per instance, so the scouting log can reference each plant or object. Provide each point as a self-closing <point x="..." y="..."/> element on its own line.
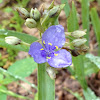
<point x="52" y="39"/>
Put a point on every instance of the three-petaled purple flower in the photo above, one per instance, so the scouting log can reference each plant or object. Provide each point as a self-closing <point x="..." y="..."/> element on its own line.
<point x="52" y="40"/>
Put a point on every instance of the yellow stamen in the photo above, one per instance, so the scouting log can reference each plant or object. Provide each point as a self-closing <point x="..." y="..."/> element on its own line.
<point x="72" y="77"/>
<point x="42" y="49"/>
<point x="50" y="44"/>
<point x="55" y="54"/>
<point x="48" y="57"/>
<point x="43" y="42"/>
<point x="56" y="47"/>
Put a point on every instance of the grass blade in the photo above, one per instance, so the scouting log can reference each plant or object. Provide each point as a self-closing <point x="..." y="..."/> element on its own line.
<point x="66" y="8"/>
<point x="96" y="25"/>
<point x="85" y="17"/>
<point x="72" y="22"/>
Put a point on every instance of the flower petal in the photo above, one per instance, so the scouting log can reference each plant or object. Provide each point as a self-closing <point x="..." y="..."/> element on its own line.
<point x="35" y="52"/>
<point x="54" y="36"/>
<point x="61" y="59"/>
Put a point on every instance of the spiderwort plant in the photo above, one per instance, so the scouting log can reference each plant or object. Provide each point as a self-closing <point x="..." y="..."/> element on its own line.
<point x="50" y="50"/>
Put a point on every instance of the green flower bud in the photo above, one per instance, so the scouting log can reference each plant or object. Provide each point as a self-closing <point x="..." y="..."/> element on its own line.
<point x="84" y="48"/>
<point x="23" y="12"/>
<point x="53" y="11"/>
<point x="78" y="33"/>
<point x="31" y="23"/>
<point x="12" y="40"/>
<point x="31" y="12"/>
<point x="35" y="14"/>
<point x="56" y="10"/>
<point x="78" y="42"/>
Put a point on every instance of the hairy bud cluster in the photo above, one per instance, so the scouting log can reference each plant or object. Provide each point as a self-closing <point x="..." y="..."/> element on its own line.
<point x="31" y="17"/>
<point x="35" y="18"/>
<point x="79" y="41"/>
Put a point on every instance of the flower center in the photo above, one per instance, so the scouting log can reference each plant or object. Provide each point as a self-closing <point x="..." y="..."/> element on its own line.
<point x="47" y="54"/>
<point x="48" y="50"/>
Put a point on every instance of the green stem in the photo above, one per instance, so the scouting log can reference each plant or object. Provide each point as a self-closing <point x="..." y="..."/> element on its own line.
<point x="39" y="27"/>
<point x="46" y="86"/>
<point x="24" y="43"/>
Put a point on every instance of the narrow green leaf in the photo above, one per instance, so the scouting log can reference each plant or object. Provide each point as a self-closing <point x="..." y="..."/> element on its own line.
<point x="24" y="37"/>
<point x="3" y="96"/>
<point x="66" y="8"/>
<point x="13" y="47"/>
<point x="23" y="68"/>
<point x="96" y="26"/>
<point x="85" y="17"/>
<point x="46" y="86"/>
<point x="72" y="21"/>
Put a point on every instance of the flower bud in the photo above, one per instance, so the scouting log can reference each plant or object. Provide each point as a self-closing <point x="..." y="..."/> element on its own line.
<point x="31" y="23"/>
<point x="23" y="12"/>
<point x="12" y="40"/>
<point x="53" y="11"/>
<point x="35" y="14"/>
<point x="51" y="72"/>
<point x="78" y="33"/>
<point x="84" y="48"/>
<point x="79" y="42"/>
<point x="56" y="10"/>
